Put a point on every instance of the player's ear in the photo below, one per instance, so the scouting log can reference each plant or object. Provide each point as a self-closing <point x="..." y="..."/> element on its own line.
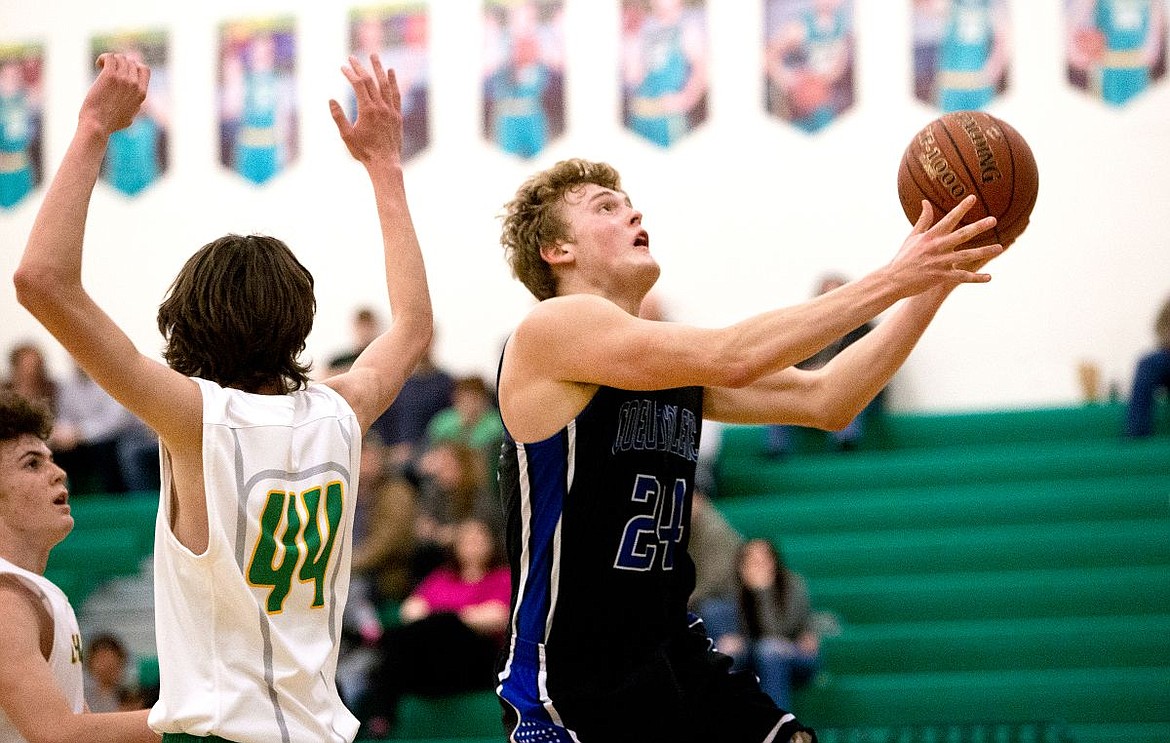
<point x="557" y="253"/>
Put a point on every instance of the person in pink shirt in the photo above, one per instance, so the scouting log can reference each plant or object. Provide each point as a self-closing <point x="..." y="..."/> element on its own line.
<point x="452" y="630"/>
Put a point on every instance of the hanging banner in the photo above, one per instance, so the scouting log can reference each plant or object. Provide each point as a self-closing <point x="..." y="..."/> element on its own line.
<point x="961" y="52"/>
<point x="257" y="97"/>
<point x="21" y="79"/>
<point x="397" y="33"/>
<point x="137" y="155"/>
<point x="523" y="82"/>
<point x="808" y="61"/>
<point x="1116" y="48"/>
<point x="664" y="68"/>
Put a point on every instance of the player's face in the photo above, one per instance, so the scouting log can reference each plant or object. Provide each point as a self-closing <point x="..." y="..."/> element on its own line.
<point x="608" y="235"/>
<point x="34" y="501"/>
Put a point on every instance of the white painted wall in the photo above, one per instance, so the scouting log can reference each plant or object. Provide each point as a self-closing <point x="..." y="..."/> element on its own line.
<point x="744" y="214"/>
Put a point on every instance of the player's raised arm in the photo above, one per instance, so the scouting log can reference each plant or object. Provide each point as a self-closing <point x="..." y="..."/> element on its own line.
<point x="832" y="396"/>
<point x="581" y="338"/>
<point x="48" y="279"/>
<point x="375" y="140"/>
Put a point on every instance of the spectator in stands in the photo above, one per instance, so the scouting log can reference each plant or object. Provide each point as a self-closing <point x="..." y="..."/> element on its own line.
<point x="86" y="434"/>
<point x="452" y="631"/>
<point x="772" y="632"/>
<point x="365" y="327"/>
<point x="780" y="438"/>
<point x="131" y="697"/>
<point x="1151" y="374"/>
<point x="472" y="420"/>
<point x="383" y="534"/>
<point x="383" y="552"/>
<point x="42" y="695"/>
<point x="403" y="427"/>
<point x="138" y="456"/>
<point x="28" y="374"/>
<point x="714" y="548"/>
<point x="105" y="672"/>
<point x="453" y="487"/>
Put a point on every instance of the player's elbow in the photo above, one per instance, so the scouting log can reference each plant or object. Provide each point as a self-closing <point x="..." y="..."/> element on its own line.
<point x="35" y="288"/>
<point x="421" y="333"/>
<point x="736" y="373"/>
<point x="835" y="422"/>
<point x="835" y="417"/>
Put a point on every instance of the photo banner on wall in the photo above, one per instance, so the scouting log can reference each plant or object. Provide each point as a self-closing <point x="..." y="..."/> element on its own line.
<point x="1116" y="49"/>
<point x="21" y="107"/>
<point x="397" y="33"/>
<point x="524" y="75"/>
<point x="962" y="50"/>
<point x="664" y="68"/>
<point x="137" y="156"/>
<point x="808" y="61"/>
<point x="257" y="97"/>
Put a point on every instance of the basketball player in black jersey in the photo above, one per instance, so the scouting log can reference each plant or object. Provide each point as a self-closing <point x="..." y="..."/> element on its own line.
<point x="603" y="413"/>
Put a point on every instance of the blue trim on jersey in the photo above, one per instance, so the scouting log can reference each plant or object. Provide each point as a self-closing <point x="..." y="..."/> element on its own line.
<point x="547" y="477"/>
<point x="544" y="475"/>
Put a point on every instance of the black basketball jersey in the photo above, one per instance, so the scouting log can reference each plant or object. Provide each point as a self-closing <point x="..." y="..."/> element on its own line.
<point x="597" y="525"/>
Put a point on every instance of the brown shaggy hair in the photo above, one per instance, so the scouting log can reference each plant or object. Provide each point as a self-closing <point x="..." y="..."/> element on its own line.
<point x="238" y="314"/>
<point x="532" y="219"/>
<point x="20" y="415"/>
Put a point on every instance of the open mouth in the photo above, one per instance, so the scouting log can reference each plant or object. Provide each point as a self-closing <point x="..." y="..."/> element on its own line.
<point x="642" y="240"/>
<point x="61" y="500"/>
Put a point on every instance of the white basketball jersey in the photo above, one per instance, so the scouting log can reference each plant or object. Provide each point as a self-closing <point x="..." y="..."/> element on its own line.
<point x="65" y="657"/>
<point x="248" y="631"/>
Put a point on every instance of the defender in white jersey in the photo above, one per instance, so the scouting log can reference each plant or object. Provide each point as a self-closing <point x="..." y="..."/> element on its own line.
<point x="260" y="466"/>
<point x="41" y="689"/>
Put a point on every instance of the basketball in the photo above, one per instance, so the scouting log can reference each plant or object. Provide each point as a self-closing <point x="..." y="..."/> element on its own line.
<point x="971" y="152"/>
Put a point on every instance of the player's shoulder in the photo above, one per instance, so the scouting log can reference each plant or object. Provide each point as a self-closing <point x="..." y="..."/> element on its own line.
<point x="18" y="595"/>
<point x="571" y="306"/>
<point x="557" y="321"/>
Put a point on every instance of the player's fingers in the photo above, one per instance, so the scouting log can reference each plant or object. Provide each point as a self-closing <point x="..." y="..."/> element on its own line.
<point x="394" y="97"/>
<point x="981" y="255"/>
<point x="971" y="277"/>
<point x="339" y="118"/>
<point x="380" y="77"/>
<point x="955" y="215"/>
<point x="350" y="75"/>
<point x="353" y="73"/>
<point x="143" y="79"/>
<point x="366" y="82"/>
<point x="112" y="64"/>
<point x="925" y="218"/>
<point x="971" y="231"/>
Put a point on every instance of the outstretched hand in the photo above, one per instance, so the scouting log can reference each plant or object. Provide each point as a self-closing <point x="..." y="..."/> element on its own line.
<point x="933" y="253"/>
<point x="117" y="93"/>
<point x="376" y="134"/>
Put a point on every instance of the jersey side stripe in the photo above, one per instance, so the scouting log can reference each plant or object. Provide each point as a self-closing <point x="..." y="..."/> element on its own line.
<point x="544" y="478"/>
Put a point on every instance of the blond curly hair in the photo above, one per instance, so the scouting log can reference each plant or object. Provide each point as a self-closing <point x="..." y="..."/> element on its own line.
<point x="532" y="219"/>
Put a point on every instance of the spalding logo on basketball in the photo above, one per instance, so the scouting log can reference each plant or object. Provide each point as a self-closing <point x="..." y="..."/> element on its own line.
<point x="971" y="152"/>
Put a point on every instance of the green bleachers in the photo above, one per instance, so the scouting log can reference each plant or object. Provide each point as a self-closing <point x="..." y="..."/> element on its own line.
<point x="460" y="716"/>
<point x="112" y="535"/>
<point x="1121" y="591"/>
<point x="1005" y="566"/>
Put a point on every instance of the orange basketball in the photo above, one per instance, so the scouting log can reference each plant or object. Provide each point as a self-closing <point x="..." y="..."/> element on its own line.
<point x="971" y="152"/>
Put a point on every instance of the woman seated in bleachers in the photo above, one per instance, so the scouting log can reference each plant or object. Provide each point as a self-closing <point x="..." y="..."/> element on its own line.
<point x="452" y="631"/>
<point x="767" y="628"/>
